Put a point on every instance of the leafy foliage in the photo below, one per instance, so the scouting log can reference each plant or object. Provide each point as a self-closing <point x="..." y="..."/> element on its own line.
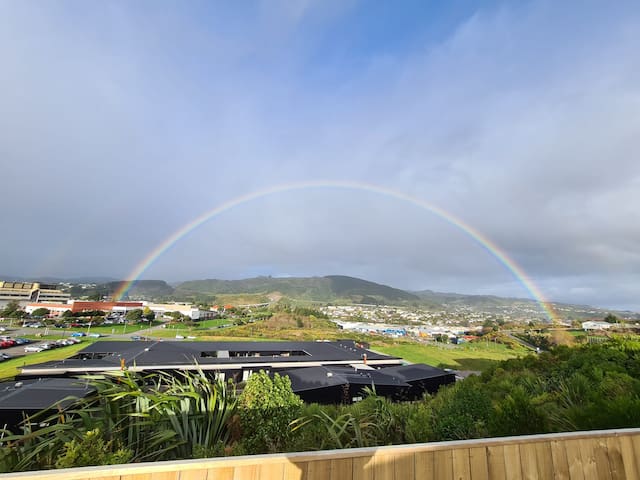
<point x="268" y="406"/>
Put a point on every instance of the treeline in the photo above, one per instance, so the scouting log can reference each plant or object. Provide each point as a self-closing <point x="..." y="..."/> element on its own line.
<point x="159" y="417"/>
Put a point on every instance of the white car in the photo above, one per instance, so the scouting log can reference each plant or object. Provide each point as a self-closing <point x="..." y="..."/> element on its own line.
<point x="33" y="348"/>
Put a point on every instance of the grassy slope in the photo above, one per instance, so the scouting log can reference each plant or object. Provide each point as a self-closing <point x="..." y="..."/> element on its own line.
<point x="470" y="356"/>
<point x="10" y="368"/>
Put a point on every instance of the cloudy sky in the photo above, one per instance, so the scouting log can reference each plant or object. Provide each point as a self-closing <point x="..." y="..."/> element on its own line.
<point x="121" y="122"/>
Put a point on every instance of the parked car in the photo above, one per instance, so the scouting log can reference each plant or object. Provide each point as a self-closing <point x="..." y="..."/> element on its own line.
<point x="94" y="335"/>
<point x="22" y="341"/>
<point x="33" y="348"/>
<point x="78" y="334"/>
<point x="5" y="356"/>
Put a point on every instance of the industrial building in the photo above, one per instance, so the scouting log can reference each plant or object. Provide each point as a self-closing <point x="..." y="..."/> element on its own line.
<point x="31" y="292"/>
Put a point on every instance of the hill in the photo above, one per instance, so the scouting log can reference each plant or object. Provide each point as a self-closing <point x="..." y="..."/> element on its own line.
<point x="316" y="289"/>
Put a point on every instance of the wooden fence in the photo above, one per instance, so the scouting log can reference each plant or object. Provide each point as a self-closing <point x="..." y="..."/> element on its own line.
<point x="598" y="455"/>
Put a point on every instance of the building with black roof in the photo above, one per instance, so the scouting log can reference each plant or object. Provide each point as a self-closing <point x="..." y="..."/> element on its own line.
<point x="325" y="372"/>
<point x="347" y="384"/>
<point x="19" y="399"/>
<point x="235" y="360"/>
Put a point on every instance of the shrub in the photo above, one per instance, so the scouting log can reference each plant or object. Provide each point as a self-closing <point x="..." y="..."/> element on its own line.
<point x="267" y="406"/>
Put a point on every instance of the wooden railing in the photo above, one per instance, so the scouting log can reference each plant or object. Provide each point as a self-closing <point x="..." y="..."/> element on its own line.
<point x="598" y="455"/>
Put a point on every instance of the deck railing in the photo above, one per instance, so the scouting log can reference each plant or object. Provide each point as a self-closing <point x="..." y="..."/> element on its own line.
<point x="597" y="455"/>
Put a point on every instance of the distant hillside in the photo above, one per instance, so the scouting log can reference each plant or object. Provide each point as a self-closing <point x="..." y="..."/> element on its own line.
<point x="318" y="289"/>
<point x="144" y="289"/>
<point x="140" y="290"/>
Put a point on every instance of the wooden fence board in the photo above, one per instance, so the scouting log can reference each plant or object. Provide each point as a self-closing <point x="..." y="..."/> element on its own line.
<point x="342" y="469"/>
<point x="588" y="454"/>
<point x="544" y="460"/>
<point x="187" y="475"/>
<point x="404" y="466"/>
<point x="529" y="462"/>
<point x="603" y="464"/>
<point x="319" y="470"/>
<point x="631" y="467"/>
<point x="616" y="464"/>
<point x="223" y="473"/>
<point x="461" y="467"/>
<point x="363" y="468"/>
<point x="574" y="460"/>
<point x="478" y="463"/>
<point x="495" y="462"/>
<point x="271" y="471"/>
<point x="424" y="465"/>
<point x="442" y="465"/>
<point x="512" y="464"/>
<point x="245" y="472"/>
<point x="295" y="471"/>
<point x="560" y="461"/>
<point x="383" y="467"/>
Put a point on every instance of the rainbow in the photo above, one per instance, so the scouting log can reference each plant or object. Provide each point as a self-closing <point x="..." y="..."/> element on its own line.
<point x="483" y="241"/>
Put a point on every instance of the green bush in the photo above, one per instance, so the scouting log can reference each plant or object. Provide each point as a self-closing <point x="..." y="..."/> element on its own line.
<point x="267" y="406"/>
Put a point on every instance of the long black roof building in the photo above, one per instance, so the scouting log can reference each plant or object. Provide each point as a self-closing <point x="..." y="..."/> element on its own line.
<point x="232" y="357"/>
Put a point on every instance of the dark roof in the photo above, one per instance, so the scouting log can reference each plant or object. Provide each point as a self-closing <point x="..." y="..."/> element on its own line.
<point x="312" y="378"/>
<point x="31" y="395"/>
<point x="417" y="371"/>
<point x="108" y="354"/>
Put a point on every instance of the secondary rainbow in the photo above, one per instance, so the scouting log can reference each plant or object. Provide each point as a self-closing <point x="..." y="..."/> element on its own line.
<point x="483" y="241"/>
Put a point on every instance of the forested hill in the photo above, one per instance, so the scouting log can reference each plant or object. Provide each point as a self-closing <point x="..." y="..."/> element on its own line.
<point x="320" y="289"/>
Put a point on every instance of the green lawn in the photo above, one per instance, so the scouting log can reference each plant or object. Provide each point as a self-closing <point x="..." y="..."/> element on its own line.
<point x="10" y="368"/>
<point x="468" y="356"/>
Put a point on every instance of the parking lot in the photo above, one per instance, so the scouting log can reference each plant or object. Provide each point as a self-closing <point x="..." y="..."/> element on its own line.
<point x="17" y="351"/>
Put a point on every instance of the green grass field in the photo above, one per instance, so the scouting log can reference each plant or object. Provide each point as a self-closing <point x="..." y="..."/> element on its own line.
<point x="10" y="368"/>
<point x="469" y="356"/>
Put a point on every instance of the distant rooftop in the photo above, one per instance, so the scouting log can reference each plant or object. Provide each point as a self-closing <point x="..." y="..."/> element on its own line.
<point x="172" y="355"/>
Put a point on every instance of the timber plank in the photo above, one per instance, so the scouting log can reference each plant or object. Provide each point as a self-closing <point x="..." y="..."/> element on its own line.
<point x="404" y="466"/>
<point x="424" y="466"/>
<point x="529" y="461"/>
<point x="588" y="454"/>
<point x="383" y="467"/>
<point x="188" y="475"/>
<point x="560" y="461"/>
<point x="616" y="463"/>
<point x="138" y="476"/>
<point x="512" y="463"/>
<point x="222" y="473"/>
<point x="442" y="465"/>
<point x="295" y="471"/>
<point x="363" y="468"/>
<point x="478" y="462"/>
<point x="342" y="469"/>
<point x="245" y="472"/>
<point x="461" y="466"/>
<point x="319" y="470"/>
<point x="629" y="457"/>
<point x="271" y="471"/>
<point x="603" y="464"/>
<point x="544" y="460"/>
<point x="496" y="463"/>
<point x="574" y="459"/>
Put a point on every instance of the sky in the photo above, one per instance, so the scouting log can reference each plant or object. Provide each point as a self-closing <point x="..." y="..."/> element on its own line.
<point x="122" y="122"/>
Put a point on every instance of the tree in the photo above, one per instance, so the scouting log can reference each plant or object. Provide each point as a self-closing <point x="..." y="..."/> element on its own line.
<point x="148" y="313"/>
<point x="134" y="315"/>
<point x="67" y="314"/>
<point x="611" y="318"/>
<point x="40" y="312"/>
<point x="10" y="309"/>
<point x="267" y="408"/>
